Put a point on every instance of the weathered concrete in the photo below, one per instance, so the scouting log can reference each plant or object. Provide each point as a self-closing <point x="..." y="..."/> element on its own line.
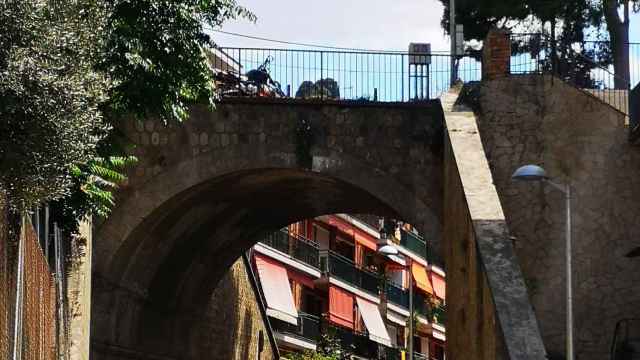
<point x="78" y="292"/>
<point x="576" y="138"/>
<point x="206" y="190"/>
<point x="489" y="314"/>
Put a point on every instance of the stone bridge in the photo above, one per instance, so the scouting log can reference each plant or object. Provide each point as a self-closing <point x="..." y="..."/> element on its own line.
<point x="204" y="191"/>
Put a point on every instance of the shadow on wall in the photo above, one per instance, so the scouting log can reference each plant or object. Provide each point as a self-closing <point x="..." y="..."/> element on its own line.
<point x="218" y="332"/>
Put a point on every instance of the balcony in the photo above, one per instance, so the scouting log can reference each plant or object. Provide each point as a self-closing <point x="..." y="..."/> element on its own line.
<point x="414" y="243"/>
<point x="397" y="296"/>
<point x="308" y="327"/>
<point x="355" y="342"/>
<point x="295" y="246"/>
<point x="420" y="306"/>
<point x="332" y="264"/>
<point x="439" y="315"/>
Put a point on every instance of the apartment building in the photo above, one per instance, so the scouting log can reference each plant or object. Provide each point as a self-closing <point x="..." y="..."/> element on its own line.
<point x="326" y="276"/>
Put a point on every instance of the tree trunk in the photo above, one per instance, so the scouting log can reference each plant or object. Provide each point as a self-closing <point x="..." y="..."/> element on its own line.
<point x="619" y="34"/>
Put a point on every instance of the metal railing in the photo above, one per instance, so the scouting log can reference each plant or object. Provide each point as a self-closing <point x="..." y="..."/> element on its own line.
<point x="579" y="67"/>
<point x="341" y="75"/>
<point x="308" y="327"/>
<point x="420" y="306"/>
<point x="333" y="264"/>
<point x="413" y="243"/>
<point x="440" y="314"/>
<point x="396" y="295"/>
<point x="355" y="342"/>
<point x="294" y="245"/>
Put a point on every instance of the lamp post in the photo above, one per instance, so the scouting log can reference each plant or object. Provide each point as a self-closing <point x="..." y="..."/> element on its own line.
<point x="389" y="250"/>
<point x="452" y="33"/>
<point x="536" y="173"/>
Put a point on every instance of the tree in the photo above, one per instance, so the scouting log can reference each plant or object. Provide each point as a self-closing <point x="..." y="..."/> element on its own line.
<point x="618" y="28"/>
<point x="154" y="52"/>
<point x="71" y="71"/>
<point x="576" y="17"/>
<point x="50" y="94"/>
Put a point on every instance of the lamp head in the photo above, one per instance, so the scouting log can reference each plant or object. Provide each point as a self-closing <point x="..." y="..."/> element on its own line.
<point x="530" y="173"/>
<point x="388" y="250"/>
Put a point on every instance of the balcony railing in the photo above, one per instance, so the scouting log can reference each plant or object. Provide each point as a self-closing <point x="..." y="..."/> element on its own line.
<point x="397" y="296"/>
<point x="414" y="243"/>
<point x="355" y="342"/>
<point x="308" y="327"/>
<point x="420" y="306"/>
<point x="294" y="245"/>
<point x="344" y="269"/>
<point x="439" y="314"/>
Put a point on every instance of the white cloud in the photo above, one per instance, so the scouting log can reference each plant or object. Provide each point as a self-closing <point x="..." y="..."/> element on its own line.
<point x="371" y="24"/>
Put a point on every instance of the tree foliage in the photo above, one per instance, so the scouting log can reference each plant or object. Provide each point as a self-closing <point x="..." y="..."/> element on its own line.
<point x="328" y="348"/>
<point x="571" y="23"/>
<point x="71" y="71"/>
<point x="50" y="94"/>
<point x="155" y="54"/>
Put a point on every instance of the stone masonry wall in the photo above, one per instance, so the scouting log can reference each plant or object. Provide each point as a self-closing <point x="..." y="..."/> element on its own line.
<point x="541" y="120"/>
<point x="489" y="313"/>
<point x="203" y="190"/>
<point x="233" y="321"/>
<point x="472" y="329"/>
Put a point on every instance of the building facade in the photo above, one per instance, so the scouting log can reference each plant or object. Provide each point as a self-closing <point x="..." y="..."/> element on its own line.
<point x="325" y="278"/>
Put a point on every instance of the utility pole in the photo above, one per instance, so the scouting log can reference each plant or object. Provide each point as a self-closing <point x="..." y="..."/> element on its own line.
<point x="452" y="35"/>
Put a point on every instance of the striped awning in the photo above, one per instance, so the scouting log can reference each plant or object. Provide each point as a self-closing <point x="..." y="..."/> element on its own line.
<point x="276" y="290"/>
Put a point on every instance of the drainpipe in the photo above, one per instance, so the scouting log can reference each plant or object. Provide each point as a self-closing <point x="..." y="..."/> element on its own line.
<point x="261" y="304"/>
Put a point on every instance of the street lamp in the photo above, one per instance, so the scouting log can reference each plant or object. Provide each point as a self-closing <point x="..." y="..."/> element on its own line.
<point x="390" y="250"/>
<point x="536" y="173"/>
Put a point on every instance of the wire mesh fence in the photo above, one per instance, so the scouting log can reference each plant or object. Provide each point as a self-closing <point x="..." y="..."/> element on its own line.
<point x="335" y="75"/>
<point x="34" y="323"/>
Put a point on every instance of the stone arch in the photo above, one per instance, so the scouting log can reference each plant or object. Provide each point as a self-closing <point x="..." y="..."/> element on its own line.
<point x="179" y="227"/>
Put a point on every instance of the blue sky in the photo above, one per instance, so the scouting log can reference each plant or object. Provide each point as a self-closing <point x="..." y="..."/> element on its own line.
<point x="371" y="24"/>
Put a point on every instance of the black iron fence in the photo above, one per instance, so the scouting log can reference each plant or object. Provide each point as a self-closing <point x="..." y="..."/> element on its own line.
<point x="294" y="245"/>
<point x="335" y="75"/>
<point x="397" y="295"/>
<point x="579" y="65"/>
<point x="308" y="327"/>
<point x="414" y="243"/>
<point x="355" y="342"/>
<point x="344" y="269"/>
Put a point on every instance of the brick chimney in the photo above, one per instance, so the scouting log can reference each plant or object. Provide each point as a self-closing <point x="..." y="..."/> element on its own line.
<point x="496" y="55"/>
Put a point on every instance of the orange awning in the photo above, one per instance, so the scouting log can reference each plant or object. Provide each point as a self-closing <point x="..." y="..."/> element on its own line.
<point x="367" y="241"/>
<point x="439" y="285"/>
<point x="276" y="290"/>
<point x="422" y="280"/>
<point x="340" y="307"/>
